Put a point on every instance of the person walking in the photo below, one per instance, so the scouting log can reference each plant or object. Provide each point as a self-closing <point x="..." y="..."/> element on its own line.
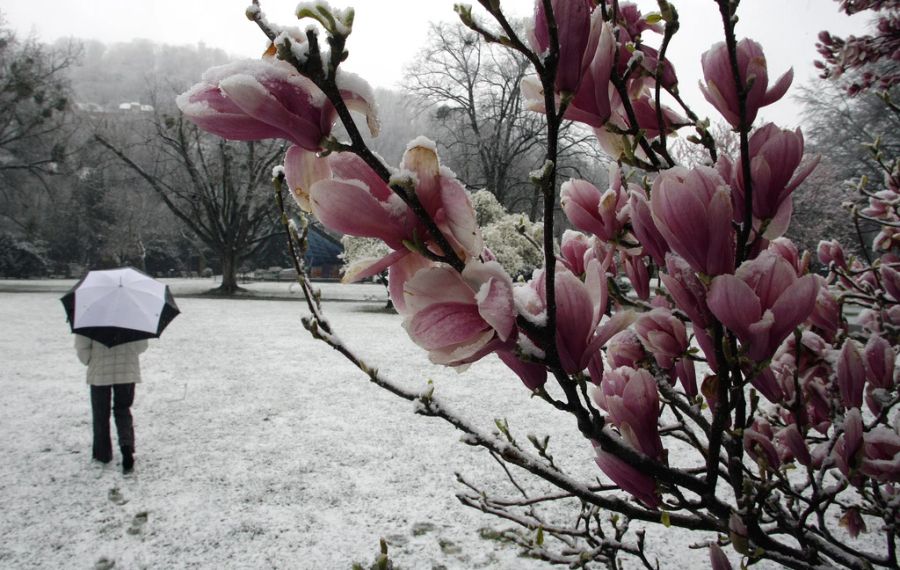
<point x="112" y="374"/>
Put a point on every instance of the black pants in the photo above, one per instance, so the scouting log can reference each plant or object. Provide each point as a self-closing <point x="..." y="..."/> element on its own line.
<point x="122" y="396"/>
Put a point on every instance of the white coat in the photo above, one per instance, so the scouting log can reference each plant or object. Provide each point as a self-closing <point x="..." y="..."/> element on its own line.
<point x="117" y="365"/>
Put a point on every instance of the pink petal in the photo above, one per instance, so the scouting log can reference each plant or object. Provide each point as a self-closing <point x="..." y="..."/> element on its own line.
<point x="438" y="284"/>
<point x="632" y="481"/>
<point x="302" y="169"/>
<point x="350" y="209"/>
<point x="734" y="303"/>
<point x="794" y="306"/>
<point x="254" y="99"/>
<point x="781" y="86"/>
<point x="444" y="324"/>
<point x="494" y="297"/>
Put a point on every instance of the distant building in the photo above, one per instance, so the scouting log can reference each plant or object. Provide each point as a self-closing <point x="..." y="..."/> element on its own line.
<point x="135" y="107"/>
<point x="322" y="255"/>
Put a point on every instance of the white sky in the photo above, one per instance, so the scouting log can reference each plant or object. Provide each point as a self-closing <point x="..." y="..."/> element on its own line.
<point x="388" y="33"/>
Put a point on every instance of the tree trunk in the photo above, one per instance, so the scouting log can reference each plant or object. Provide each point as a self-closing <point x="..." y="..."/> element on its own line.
<point x="229" y="272"/>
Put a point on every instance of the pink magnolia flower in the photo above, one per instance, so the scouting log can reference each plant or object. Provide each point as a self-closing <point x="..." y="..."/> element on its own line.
<point x="879" y="361"/>
<point x="791" y="445"/>
<point x="578" y="31"/>
<point x="631" y="399"/>
<point x="851" y="374"/>
<point x="882" y="455"/>
<point x="532" y="374"/>
<point x="644" y="227"/>
<point x="826" y="316"/>
<point x="687" y="290"/>
<point x="579" y="309"/>
<point x="625" y="349"/>
<point x="633" y="21"/>
<point x="762" y="302"/>
<point x="717" y="559"/>
<point x="459" y="317"/>
<point x="346" y="195"/>
<point x="638" y="275"/>
<point x="891" y="279"/>
<point x="591" y="103"/>
<point x="720" y="88"/>
<point x="831" y="251"/>
<point x="269" y="99"/>
<point x="663" y="336"/>
<point x="775" y="158"/>
<point x="574" y="250"/>
<point x="768" y="385"/>
<point x="853" y="522"/>
<point x="602" y="214"/>
<point x="640" y="485"/>
<point x="848" y="450"/>
<point x="687" y="375"/>
<point x="643" y="104"/>
<point x="788" y="250"/>
<point x="758" y="443"/>
<point x="692" y="210"/>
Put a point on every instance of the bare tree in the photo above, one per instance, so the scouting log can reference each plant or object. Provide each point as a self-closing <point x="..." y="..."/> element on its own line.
<point x="219" y="190"/>
<point x="34" y="95"/>
<point x="471" y="90"/>
<point x="841" y="128"/>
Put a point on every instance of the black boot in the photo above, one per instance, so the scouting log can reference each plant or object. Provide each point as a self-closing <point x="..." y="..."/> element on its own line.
<point x="127" y="460"/>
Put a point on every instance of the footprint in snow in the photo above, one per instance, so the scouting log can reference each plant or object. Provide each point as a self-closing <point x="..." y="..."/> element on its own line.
<point x="138" y="522"/>
<point x="116" y="496"/>
<point x="104" y="564"/>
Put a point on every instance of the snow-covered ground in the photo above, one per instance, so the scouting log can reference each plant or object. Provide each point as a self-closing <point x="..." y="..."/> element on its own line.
<point x="257" y="446"/>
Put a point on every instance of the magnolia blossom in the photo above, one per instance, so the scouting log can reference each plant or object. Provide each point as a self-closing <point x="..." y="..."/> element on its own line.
<point x="591" y="103"/>
<point x="574" y="251"/>
<point x="846" y="452"/>
<point x="882" y="455"/>
<point x="602" y="214"/>
<point x="662" y="335"/>
<point x="788" y="250"/>
<point x="831" y="251"/>
<point x="346" y="195"/>
<point x="632" y="24"/>
<point x="775" y="156"/>
<point x="826" y="316"/>
<point x="692" y="210"/>
<point x="791" y="445"/>
<point x="720" y="88"/>
<point x="638" y="275"/>
<point x="625" y="349"/>
<point x="763" y="302"/>
<point x="459" y="317"/>
<point x="269" y="99"/>
<point x="717" y="559"/>
<point x="578" y="31"/>
<point x="644" y="228"/>
<point x="643" y="106"/>
<point x="631" y="399"/>
<point x="687" y="290"/>
<point x="879" y="361"/>
<point x="853" y="522"/>
<point x="758" y="443"/>
<point x="579" y="308"/>
<point x="851" y="374"/>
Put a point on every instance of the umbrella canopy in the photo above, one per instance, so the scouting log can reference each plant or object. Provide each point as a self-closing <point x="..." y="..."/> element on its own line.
<point x="116" y="306"/>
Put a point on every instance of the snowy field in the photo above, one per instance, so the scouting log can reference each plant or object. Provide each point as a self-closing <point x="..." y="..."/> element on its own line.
<point x="257" y="446"/>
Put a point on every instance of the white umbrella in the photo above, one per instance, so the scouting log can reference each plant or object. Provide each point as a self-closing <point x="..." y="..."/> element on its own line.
<point x="116" y="306"/>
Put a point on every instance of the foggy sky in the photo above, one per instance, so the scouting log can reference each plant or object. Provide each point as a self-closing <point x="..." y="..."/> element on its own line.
<point x="388" y="33"/>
